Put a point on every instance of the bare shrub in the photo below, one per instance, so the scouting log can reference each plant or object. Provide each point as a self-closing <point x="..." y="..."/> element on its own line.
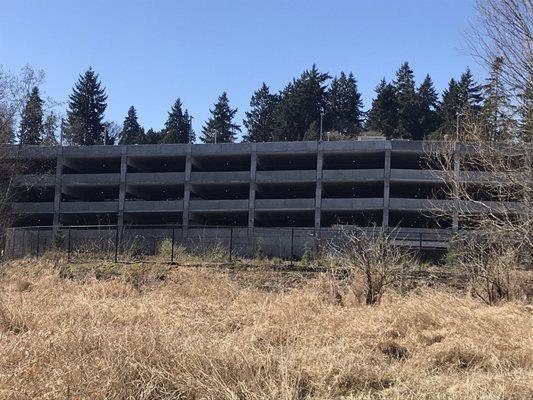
<point x="493" y="267"/>
<point x="369" y="259"/>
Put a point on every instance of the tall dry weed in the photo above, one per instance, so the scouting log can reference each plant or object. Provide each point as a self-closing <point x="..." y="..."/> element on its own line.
<point x="207" y="334"/>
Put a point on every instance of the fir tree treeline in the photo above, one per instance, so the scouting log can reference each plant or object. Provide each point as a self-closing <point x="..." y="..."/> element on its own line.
<point x="401" y="109"/>
<point x="298" y="110"/>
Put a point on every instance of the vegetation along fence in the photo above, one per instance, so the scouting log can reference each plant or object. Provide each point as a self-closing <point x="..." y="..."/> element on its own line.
<point x="173" y="243"/>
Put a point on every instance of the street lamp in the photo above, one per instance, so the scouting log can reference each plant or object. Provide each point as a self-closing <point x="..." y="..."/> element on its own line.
<point x="190" y="129"/>
<point x="457" y="137"/>
<point x="321" y="123"/>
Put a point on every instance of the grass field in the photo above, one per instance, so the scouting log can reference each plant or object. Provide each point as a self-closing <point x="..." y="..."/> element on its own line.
<point x="159" y="332"/>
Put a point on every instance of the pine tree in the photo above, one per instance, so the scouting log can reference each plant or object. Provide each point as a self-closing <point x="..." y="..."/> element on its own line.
<point x="131" y="132"/>
<point x="152" y="137"/>
<point x="383" y="116"/>
<point x="408" y="107"/>
<point x="344" y="106"/>
<point x="497" y="109"/>
<point x="87" y="104"/>
<point x="50" y="126"/>
<point x="300" y="105"/>
<point x="31" y="123"/>
<point x="178" y="128"/>
<point x="220" y="128"/>
<point x="428" y="103"/>
<point x="448" y="109"/>
<point x="471" y="97"/>
<point x="260" y="119"/>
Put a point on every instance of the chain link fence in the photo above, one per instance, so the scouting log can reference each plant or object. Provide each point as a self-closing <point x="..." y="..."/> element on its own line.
<point x="174" y="244"/>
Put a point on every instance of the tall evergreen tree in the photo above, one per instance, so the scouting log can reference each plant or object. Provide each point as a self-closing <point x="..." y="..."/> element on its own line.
<point x="152" y="137"/>
<point x="87" y="104"/>
<point x="470" y="92"/>
<point x="178" y="128"/>
<point x="450" y="105"/>
<point x="300" y="105"/>
<point x="50" y="126"/>
<point x="428" y="104"/>
<point x="383" y="116"/>
<point x="497" y="109"/>
<point x="131" y="132"/>
<point x="408" y="107"/>
<point x="260" y="119"/>
<point x="31" y="123"/>
<point x="344" y="106"/>
<point x="220" y="128"/>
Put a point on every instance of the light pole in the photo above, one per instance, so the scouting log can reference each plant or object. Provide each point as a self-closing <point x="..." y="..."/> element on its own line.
<point x="190" y="129"/>
<point x="321" y="123"/>
<point x="457" y="133"/>
<point x="61" y="132"/>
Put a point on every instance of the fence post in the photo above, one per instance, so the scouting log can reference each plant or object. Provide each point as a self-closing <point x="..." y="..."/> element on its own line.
<point x="420" y="241"/>
<point x="292" y="245"/>
<point x="172" y="248"/>
<point x="68" y="246"/>
<point x="38" y="237"/>
<point x="116" y="244"/>
<point x="13" y="243"/>
<point x="23" y="242"/>
<point x="317" y="243"/>
<point x="230" y="243"/>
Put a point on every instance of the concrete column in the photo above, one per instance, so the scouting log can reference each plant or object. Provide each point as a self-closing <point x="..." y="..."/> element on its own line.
<point x="122" y="185"/>
<point x="251" y="196"/>
<point x="456" y="174"/>
<point x="58" y="187"/>
<point x="318" y="193"/>
<point x="386" y="187"/>
<point x="187" y="190"/>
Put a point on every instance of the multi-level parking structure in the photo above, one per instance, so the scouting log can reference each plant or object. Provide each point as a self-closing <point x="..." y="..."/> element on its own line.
<point x="315" y="185"/>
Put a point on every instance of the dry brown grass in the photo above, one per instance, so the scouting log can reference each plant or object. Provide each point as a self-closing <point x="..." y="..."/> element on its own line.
<point x="203" y="333"/>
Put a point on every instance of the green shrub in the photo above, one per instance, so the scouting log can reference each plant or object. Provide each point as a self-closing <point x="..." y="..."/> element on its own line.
<point x="307" y="256"/>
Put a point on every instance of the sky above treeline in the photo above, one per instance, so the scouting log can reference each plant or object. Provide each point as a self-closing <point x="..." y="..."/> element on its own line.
<point x="148" y="53"/>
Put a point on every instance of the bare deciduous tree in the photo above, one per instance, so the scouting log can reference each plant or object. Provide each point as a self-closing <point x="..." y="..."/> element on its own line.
<point x="504" y="30"/>
<point x="489" y="180"/>
<point x="490" y="187"/>
<point x="14" y="91"/>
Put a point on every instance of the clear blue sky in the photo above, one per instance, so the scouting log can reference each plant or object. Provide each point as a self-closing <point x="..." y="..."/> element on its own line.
<point x="148" y="53"/>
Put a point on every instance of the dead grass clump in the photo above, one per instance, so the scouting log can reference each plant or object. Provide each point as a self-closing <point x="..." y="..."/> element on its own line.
<point x="393" y="350"/>
<point x="22" y="285"/>
<point x="11" y="322"/>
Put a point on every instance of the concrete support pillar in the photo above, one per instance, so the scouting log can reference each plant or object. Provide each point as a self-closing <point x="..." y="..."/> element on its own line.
<point x="187" y="190"/>
<point x="122" y="185"/>
<point x="318" y="192"/>
<point x="386" y="187"/>
<point x="456" y="175"/>
<point x="251" y="196"/>
<point x="58" y="187"/>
